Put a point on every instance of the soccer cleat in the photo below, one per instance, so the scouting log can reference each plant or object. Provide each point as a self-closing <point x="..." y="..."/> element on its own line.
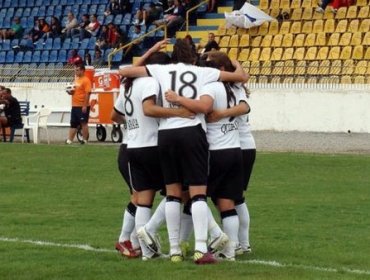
<point x="176" y="258"/>
<point x="240" y="250"/>
<point x="223" y="257"/>
<point x="68" y="142"/>
<point x="151" y="242"/>
<point x="125" y="248"/>
<point x="204" y="258"/>
<point x="218" y="243"/>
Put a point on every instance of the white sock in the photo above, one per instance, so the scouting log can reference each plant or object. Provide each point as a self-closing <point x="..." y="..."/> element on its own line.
<point x="173" y="212"/>
<point x="134" y="240"/>
<point x="199" y="210"/>
<point x="128" y="225"/>
<point x="213" y="227"/>
<point x="157" y="218"/>
<point x="186" y="227"/>
<point x="244" y="221"/>
<point x="141" y="218"/>
<point x="231" y="228"/>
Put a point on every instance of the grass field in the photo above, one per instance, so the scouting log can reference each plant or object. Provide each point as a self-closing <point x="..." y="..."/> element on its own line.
<point x="310" y="218"/>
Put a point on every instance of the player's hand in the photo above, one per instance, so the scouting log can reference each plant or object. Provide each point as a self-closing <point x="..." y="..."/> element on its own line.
<point x="84" y="109"/>
<point x="160" y="45"/>
<point x="172" y="96"/>
<point x="214" y="116"/>
<point x="186" y="113"/>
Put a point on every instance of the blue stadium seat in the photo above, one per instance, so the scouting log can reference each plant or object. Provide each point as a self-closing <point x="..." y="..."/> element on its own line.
<point x="3" y="13"/>
<point x="53" y="56"/>
<point x="93" y="9"/>
<point x="48" y="44"/>
<point x="92" y="42"/>
<point x="24" y="22"/>
<point x="26" y="12"/>
<point x="46" y="3"/>
<point x="22" y="3"/>
<point x="75" y="43"/>
<point x="84" y="43"/>
<point x="117" y="57"/>
<point x="44" y="56"/>
<point x="108" y="19"/>
<point x="42" y="11"/>
<point x="10" y="12"/>
<point x="63" y="2"/>
<point x="27" y="58"/>
<point x="14" y="4"/>
<point x="19" y="57"/>
<point x="2" y="56"/>
<point x="14" y="42"/>
<point x="84" y="9"/>
<point x="9" y="57"/>
<point x="127" y="19"/>
<point x="67" y="9"/>
<point x="6" y="45"/>
<point x="6" y="22"/>
<point x="39" y="45"/>
<point x="81" y="53"/>
<point x="95" y="2"/>
<point x="62" y="57"/>
<point x="30" y="3"/>
<point x="75" y="9"/>
<point x="101" y="9"/>
<point x="57" y="44"/>
<point x="7" y="3"/>
<point x="58" y="11"/>
<point x="30" y="22"/>
<point x="55" y="2"/>
<point x="118" y="19"/>
<point x="34" y="12"/>
<point x="66" y="44"/>
<point x="36" y="56"/>
<point x="50" y="11"/>
<point x="18" y="12"/>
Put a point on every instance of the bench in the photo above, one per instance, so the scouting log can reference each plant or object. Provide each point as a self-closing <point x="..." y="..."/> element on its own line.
<point x="25" y="110"/>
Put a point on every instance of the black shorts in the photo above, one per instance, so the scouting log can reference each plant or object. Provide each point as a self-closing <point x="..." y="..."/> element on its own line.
<point x="249" y="156"/>
<point x="77" y="117"/>
<point x="144" y="168"/>
<point x="226" y="174"/>
<point x="184" y="155"/>
<point x="123" y="164"/>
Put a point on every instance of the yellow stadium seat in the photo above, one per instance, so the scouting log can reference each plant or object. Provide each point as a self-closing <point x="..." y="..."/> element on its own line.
<point x="287" y="40"/>
<point x="346" y="53"/>
<point x="263" y="80"/>
<point x="318" y="26"/>
<point x="361" y="3"/>
<point x="274" y="12"/>
<point x="359" y="80"/>
<point x="296" y="27"/>
<point x="364" y="12"/>
<point x="296" y="14"/>
<point x="295" y="4"/>
<point x="265" y="54"/>
<point x="264" y="4"/>
<point x="266" y="41"/>
<point x="299" y="40"/>
<point x="240" y="31"/>
<point x="321" y="39"/>
<point x="324" y="67"/>
<point x="224" y="50"/>
<point x="366" y="40"/>
<point x="353" y="25"/>
<point x="252" y="80"/>
<point x="307" y="4"/>
<point x="275" y="4"/>
<point x="288" y="80"/>
<point x="288" y="67"/>
<point x="323" y="53"/>
<point x="299" y="53"/>
<point x="358" y="52"/>
<point x="310" y="40"/>
<point x="224" y="42"/>
<point x="341" y="26"/>
<point x="244" y="41"/>
<point x="346" y="80"/>
<point x="231" y="30"/>
<point x="361" y="67"/>
<point x="246" y="65"/>
<point x="334" y="53"/>
<point x="243" y="55"/>
<point x="255" y="68"/>
<point x="312" y="80"/>
<point x="221" y="30"/>
<point x="365" y="25"/>
<point x="352" y="12"/>
<point x="336" y="67"/>
<point x="341" y="13"/>
<point x="307" y="14"/>
<point x="253" y="31"/>
<point x="276" y="55"/>
<point x="256" y="42"/>
<point x="288" y="54"/>
<point x="274" y="28"/>
<point x="328" y="14"/>
<point x="285" y="4"/>
<point x="300" y="68"/>
<point x="233" y="53"/>
<point x="307" y="27"/>
<point x="278" y="68"/>
<point x="266" y="68"/>
<point x="317" y="15"/>
<point x="348" y="67"/>
<point x="300" y="80"/>
<point x="276" y="80"/>
<point x="263" y="29"/>
<point x="234" y="41"/>
<point x="334" y="39"/>
<point x="356" y="39"/>
<point x="254" y="54"/>
<point x="277" y="40"/>
<point x="311" y="53"/>
<point x="345" y="39"/>
<point x="313" y="68"/>
<point x="329" y="26"/>
<point x="285" y="27"/>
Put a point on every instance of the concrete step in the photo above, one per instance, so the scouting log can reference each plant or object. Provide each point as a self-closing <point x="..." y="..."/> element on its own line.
<point x="221" y="10"/>
<point x="209" y="21"/>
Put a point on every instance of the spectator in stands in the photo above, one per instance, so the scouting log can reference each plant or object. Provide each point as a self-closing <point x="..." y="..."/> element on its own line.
<point x="174" y="19"/>
<point x="113" y="36"/>
<point x="148" y="16"/>
<point x="80" y="105"/>
<point x="55" y="27"/>
<point x="15" y="32"/>
<point x="12" y="110"/>
<point x="70" y="25"/>
<point x="87" y="60"/>
<point x="44" y="27"/>
<point x="321" y="8"/>
<point x="102" y="42"/>
<point x="92" y="29"/>
<point x="211" y="44"/>
<point x="113" y="8"/>
<point x="98" y="58"/>
<point x="136" y="48"/>
<point x="74" y="58"/>
<point x="35" y="33"/>
<point x="85" y="21"/>
<point x="190" y="41"/>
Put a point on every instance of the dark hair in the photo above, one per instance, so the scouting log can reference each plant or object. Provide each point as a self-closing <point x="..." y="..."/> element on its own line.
<point x="8" y="90"/>
<point x="80" y="66"/>
<point x="182" y="52"/>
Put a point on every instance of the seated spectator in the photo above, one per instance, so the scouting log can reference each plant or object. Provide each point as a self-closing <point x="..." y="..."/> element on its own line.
<point x="98" y="58"/>
<point x="136" y="48"/>
<point x="92" y="29"/>
<point x="44" y="27"/>
<point x="74" y="58"/>
<point x="211" y="44"/>
<point x="55" y="28"/>
<point x="15" y="32"/>
<point x="321" y="8"/>
<point x="85" y="21"/>
<point x="70" y="25"/>
<point x="341" y="3"/>
<point x="113" y="36"/>
<point x="101" y="41"/>
<point x="114" y="8"/>
<point x="174" y="19"/>
<point x="87" y="61"/>
<point x="12" y="110"/>
<point x="190" y="41"/>
<point x="35" y="33"/>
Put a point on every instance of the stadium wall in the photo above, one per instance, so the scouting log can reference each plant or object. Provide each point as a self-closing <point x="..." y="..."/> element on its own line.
<point x="280" y="107"/>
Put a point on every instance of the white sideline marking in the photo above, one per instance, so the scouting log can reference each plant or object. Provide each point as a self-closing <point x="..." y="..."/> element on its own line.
<point x="87" y="247"/>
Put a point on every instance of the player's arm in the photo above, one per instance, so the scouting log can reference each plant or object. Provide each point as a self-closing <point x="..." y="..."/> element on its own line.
<point x="156" y="48"/>
<point x="203" y="105"/>
<point x="134" y="71"/>
<point x="117" y="116"/>
<point x="87" y="97"/>
<point x="239" y="75"/>
<point x="241" y="109"/>
<point x="151" y="109"/>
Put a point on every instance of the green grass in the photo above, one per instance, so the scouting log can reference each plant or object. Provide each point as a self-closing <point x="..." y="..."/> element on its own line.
<point x="308" y="211"/>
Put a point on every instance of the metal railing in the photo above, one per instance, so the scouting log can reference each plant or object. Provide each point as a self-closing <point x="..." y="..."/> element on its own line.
<point x="111" y="54"/>
<point x="190" y="10"/>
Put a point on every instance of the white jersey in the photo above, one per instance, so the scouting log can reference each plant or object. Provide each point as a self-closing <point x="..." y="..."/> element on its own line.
<point x="223" y="134"/>
<point x="246" y="138"/>
<point x="118" y="107"/>
<point x="186" y="80"/>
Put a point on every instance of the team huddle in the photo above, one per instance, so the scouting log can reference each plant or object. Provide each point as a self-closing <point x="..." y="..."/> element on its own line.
<point x="187" y="136"/>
